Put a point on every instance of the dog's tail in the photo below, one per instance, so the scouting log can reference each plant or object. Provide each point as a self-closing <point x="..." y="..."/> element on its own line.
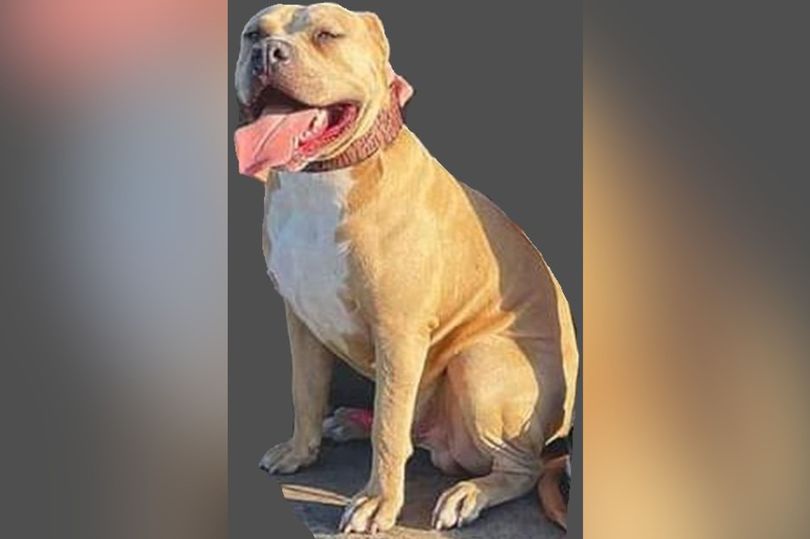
<point x="555" y="479"/>
<point x="554" y="483"/>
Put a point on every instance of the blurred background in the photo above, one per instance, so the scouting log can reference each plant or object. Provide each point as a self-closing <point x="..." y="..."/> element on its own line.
<point x="695" y="262"/>
<point x="114" y="268"/>
<point x="113" y="336"/>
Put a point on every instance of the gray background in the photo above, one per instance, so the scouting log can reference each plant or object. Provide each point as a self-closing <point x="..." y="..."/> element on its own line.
<point x="498" y="102"/>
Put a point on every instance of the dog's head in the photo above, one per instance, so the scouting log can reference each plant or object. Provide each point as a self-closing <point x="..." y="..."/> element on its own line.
<point x="310" y="81"/>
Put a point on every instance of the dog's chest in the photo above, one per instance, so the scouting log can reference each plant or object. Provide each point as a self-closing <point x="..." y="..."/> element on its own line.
<point x="307" y="262"/>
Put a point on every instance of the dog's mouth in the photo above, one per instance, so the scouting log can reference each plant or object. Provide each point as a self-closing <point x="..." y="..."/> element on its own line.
<point x="284" y="133"/>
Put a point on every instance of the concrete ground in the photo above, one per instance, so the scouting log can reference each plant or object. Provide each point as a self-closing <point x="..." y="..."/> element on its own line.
<point x="319" y="493"/>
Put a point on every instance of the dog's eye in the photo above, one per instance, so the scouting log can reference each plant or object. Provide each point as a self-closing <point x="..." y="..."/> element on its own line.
<point x="326" y="35"/>
<point x="253" y="35"/>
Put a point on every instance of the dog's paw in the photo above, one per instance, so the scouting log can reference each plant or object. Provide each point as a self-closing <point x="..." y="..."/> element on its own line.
<point x="370" y="514"/>
<point x="287" y="458"/>
<point x="348" y="424"/>
<point x="457" y="506"/>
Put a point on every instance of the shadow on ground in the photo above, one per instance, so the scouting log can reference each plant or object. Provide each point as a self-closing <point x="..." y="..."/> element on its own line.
<point x="319" y="493"/>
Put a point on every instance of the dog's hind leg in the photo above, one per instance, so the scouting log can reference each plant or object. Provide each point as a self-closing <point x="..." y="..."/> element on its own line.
<point x="503" y="427"/>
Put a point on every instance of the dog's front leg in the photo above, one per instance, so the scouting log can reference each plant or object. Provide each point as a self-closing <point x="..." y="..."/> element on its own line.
<point x="312" y="365"/>
<point x="399" y="360"/>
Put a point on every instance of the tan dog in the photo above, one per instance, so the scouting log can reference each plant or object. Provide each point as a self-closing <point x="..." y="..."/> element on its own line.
<point x="386" y="261"/>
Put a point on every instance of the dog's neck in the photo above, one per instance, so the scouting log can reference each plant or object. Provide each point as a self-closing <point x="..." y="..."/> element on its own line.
<point x="383" y="132"/>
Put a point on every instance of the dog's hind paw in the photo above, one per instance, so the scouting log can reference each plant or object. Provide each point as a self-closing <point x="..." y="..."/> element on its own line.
<point x="457" y="506"/>
<point x="348" y="424"/>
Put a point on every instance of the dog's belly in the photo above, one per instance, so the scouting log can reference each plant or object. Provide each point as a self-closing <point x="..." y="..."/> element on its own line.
<point x="306" y="261"/>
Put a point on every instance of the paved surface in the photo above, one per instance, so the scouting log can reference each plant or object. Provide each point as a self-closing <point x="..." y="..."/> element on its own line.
<point x="319" y="493"/>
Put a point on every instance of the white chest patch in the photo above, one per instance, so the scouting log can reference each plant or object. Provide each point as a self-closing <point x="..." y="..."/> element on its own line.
<point x="307" y="263"/>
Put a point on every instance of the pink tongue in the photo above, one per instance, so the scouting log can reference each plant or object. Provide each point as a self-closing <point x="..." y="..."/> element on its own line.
<point x="270" y="141"/>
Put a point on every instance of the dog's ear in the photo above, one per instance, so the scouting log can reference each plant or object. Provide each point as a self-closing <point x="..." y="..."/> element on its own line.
<point x="402" y="88"/>
<point x="377" y="30"/>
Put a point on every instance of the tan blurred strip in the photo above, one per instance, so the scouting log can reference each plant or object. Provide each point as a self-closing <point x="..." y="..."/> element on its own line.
<point x="696" y="422"/>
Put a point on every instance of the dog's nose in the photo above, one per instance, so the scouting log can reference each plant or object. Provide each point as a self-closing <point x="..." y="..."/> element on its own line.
<point x="278" y="52"/>
<point x="269" y="55"/>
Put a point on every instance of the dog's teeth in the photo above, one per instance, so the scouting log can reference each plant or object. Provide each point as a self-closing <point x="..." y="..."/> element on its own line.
<point x="321" y="118"/>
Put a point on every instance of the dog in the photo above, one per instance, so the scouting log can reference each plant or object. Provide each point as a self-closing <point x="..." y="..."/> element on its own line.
<point x="387" y="262"/>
